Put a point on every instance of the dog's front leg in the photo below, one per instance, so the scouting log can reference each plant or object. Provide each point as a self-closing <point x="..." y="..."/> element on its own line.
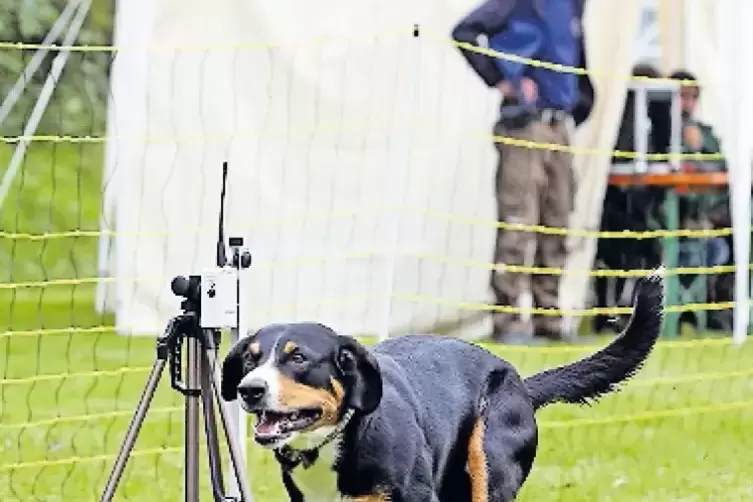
<point x="294" y="494"/>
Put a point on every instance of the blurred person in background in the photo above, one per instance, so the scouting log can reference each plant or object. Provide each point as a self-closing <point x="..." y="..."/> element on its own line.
<point x="534" y="186"/>
<point x="697" y="136"/>
<point x="704" y="211"/>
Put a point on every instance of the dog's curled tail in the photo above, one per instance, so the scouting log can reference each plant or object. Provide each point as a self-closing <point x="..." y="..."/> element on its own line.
<point x="600" y="373"/>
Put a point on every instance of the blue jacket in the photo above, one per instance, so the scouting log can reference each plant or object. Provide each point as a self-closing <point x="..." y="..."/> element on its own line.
<point x="533" y="29"/>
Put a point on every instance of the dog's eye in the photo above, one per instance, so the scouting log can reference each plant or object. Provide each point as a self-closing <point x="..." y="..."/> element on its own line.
<point x="297" y="358"/>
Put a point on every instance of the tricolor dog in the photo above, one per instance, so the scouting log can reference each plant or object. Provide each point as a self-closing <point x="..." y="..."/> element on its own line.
<point x="418" y="418"/>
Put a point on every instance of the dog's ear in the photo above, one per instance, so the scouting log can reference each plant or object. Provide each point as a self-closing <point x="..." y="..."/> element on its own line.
<point x="361" y="375"/>
<point x="232" y="369"/>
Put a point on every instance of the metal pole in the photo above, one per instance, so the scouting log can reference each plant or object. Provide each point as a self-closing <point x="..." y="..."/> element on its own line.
<point x="19" y="87"/>
<point x="740" y="73"/>
<point x="412" y="64"/>
<point x="58" y="64"/>
<point x="237" y="416"/>
<point x="675" y="144"/>
<point x="193" y="386"/>
<point x="210" y="431"/>
<point x="236" y="460"/>
<point x="640" y="133"/>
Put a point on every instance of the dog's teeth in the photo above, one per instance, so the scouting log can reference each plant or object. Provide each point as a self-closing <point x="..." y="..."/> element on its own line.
<point x="294" y="416"/>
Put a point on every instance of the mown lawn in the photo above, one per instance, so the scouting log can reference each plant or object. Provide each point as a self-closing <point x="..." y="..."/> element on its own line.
<point x="681" y="431"/>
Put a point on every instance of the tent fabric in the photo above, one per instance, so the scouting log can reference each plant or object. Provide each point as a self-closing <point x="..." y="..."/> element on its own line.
<point x="361" y="160"/>
<point x="349" y="142"/>
<point x="690" y="40"/>
<point x="610" y="29"/>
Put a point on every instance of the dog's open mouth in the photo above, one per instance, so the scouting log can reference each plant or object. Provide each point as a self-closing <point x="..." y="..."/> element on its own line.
<point x="275" y="426"/>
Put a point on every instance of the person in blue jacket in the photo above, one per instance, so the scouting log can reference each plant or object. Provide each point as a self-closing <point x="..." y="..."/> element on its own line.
<point x="534" y="186"/>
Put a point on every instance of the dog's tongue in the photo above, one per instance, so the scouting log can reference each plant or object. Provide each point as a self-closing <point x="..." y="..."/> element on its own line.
<point x="269" y="423"/>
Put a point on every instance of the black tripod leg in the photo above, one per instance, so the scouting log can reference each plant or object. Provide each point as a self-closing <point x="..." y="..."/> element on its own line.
<point x="236" y="457"/>
<point x="192" y="412"/>
<point x="133" y="430"/>
<point x="210" y="429"/>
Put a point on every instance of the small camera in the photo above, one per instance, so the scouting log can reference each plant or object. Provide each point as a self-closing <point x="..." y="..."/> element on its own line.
<point x="241" y="258"/>
<point x="221" y="290"/>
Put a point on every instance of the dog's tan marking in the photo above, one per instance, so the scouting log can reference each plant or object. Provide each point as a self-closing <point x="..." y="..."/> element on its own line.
<point x="477" y="468"/>
<point x="333" y="405"/>
<point x="289" y="347"/>
<point x="254" y="348"/>
<point x="295" y="395"/>
<point x="379" y="497"/>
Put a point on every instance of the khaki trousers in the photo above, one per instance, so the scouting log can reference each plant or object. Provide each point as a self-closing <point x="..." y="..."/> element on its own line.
<point x="533" y="187"/>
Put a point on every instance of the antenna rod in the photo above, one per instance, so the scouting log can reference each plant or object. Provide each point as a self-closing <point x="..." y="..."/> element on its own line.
<point x="221" y="252"/>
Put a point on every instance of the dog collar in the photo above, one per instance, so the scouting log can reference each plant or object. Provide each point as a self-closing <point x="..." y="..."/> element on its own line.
<point x="290" y="458"/>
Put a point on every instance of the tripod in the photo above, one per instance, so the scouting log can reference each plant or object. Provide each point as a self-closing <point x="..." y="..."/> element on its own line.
<point x="200" y="391"/>
<point x="211" y="301"/>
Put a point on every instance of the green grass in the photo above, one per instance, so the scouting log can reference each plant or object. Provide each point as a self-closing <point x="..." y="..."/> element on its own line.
<point x="676" y="439"/>
<point x="58" y="189"/>
<point x="679" y="432"/>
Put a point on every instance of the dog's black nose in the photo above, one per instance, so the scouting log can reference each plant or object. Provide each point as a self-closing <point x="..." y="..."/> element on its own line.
<point x="253" y="391"/>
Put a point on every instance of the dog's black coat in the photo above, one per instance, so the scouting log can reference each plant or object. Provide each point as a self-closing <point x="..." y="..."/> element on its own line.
<point x="418" y="398"/>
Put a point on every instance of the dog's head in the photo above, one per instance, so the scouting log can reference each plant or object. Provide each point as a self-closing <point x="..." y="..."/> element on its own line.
<point x="300" y="379"/>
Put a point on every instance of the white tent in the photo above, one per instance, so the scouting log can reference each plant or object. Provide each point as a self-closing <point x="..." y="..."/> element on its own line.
<point x="329" y="143"/>
<point x="360" y="157"/>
